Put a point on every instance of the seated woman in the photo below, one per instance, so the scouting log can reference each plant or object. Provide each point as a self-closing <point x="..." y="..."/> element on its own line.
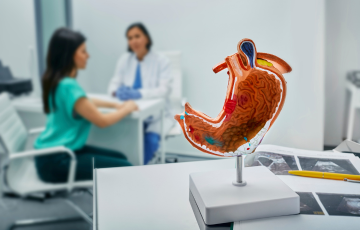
<point x="143" y="74"/>
<point x="70" y="113"/>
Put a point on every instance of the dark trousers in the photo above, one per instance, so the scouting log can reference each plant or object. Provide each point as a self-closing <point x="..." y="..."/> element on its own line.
<point x="55" y="168"/>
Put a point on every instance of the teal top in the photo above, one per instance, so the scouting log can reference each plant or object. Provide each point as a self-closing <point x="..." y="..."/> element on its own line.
<point x="64" y="127"/>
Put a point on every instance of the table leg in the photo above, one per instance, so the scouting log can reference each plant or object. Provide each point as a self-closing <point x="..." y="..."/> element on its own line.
<point x="162" y="144"/>
<point x="140" y="143"/>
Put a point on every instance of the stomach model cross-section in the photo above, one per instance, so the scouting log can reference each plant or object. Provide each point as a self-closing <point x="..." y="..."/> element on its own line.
<point x="255" y="96"/>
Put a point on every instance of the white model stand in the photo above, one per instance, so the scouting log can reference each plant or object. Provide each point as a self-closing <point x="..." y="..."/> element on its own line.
<point x="220" y="199"/>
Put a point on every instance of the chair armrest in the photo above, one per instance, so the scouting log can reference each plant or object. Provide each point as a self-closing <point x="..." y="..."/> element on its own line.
<point x="36" y="130"/>
<point x="32" y="135"/>
<point x="42" y="152"/>
<point x="49" y="151"/>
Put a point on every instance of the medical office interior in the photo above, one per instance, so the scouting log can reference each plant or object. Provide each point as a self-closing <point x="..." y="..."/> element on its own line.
<point x="319" y="39"/>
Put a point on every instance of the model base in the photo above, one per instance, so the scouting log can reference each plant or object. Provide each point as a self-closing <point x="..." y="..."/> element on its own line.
<point x="219" y="201"/>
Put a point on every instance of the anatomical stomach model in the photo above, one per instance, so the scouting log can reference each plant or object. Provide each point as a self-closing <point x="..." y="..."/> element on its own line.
<point x="255" y="96"/>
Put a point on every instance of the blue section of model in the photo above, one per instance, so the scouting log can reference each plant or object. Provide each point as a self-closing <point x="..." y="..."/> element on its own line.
<point x="248" y="49"/>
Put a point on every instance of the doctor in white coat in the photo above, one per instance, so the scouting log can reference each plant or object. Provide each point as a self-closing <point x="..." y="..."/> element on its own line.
<point x="143" y="74"/>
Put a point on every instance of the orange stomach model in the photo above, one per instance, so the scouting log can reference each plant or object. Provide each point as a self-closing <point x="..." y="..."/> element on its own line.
<point x="255" y="96"/>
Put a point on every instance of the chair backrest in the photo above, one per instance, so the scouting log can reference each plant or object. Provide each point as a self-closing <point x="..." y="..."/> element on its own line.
<point x="21" y="174"/>
<point x="175" y="62"/>
<point x="13" y="134"/>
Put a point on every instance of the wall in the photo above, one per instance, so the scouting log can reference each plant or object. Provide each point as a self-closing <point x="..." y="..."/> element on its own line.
<point x="206" y="32"/>
<point x="342" y="55"/>
<point x="17" y="34"/>
<point x="53" y="16"/>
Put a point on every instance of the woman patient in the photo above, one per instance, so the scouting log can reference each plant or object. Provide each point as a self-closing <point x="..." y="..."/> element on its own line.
<point x="70" y="113"/>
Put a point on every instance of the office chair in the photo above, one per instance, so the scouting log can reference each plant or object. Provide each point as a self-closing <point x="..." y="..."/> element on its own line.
<point x="353" y="87"/>
<point x="18" y="172"/>
<point x="175" y="98"/>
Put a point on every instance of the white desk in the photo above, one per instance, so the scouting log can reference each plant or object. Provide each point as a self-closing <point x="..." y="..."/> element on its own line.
<point x="126" y="136"/>
<point x="157" y="197"/>
<point x="151" y="197"/>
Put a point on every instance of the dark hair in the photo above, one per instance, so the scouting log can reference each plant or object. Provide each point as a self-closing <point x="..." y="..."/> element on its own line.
<point x="59" y="62"/>
<point x="145" y="32"/>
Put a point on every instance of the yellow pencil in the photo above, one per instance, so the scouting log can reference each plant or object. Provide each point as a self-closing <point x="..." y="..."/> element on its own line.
<point x="325" y="175"/>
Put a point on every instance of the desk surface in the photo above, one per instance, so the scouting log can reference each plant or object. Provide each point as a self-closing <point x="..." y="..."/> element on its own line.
<point x="157" y="197"/>
<point x="149" y="197"/>
<point x="30" y="104"/>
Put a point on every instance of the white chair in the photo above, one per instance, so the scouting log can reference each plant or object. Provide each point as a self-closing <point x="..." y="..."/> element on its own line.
<point x="175" y="65"/>
<point x="354" y="105"/>
<point x="176" y="99"/>
<point x="19" y="175"/>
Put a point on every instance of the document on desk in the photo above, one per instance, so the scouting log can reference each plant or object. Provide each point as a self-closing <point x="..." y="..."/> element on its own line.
<point x="280" y="160"/>
<point x="324" y="204"/>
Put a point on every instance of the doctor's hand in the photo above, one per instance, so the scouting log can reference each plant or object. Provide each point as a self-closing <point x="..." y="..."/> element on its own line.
<point x="125" y="93"/>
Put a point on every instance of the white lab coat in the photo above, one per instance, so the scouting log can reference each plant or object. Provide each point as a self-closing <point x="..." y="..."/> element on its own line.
<point x="156" y="82"/>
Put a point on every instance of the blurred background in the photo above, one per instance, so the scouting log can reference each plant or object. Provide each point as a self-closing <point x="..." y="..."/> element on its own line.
<point x="319" y="39"/>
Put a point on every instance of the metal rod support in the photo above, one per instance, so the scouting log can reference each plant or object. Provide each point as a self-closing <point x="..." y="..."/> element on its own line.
<point x="239" y="169"/>
<point x="239" y="172"/>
